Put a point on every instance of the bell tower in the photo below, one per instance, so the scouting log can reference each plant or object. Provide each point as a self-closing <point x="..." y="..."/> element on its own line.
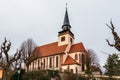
<point x="65" y="36"/>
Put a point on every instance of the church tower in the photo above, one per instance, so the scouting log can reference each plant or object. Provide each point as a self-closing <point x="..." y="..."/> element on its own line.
<point x="65" y="36"/>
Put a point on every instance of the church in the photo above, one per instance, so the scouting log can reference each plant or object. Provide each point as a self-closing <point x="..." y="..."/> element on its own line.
<point x="63" y="55"/>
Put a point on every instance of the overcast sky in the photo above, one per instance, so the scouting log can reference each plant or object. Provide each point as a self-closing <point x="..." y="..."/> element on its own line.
<point x="41" y="20"/>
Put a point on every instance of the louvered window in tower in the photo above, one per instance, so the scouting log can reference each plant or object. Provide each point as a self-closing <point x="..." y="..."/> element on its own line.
<point x="63" y="38"/>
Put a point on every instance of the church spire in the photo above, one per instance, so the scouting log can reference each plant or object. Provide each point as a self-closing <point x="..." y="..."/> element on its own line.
<point x="66" y="18"/>
<point x="65" y="36"/>
<point x="66" y="23"/>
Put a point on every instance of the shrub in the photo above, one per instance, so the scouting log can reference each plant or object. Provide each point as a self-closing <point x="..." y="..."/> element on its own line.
<point x="53" y="74"/>
<point x="14" y="75"/>
<point x="35" y="75"/>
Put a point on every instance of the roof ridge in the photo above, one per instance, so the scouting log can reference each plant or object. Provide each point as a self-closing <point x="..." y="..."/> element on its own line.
<point x="78" y="43"/>
<point x="48" y="44"/>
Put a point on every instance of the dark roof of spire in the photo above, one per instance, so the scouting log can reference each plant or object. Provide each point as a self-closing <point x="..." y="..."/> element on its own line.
<point x="66" y="19"/>
<point x="66" y="25"/>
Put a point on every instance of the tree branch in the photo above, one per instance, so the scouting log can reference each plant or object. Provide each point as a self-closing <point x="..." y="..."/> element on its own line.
<point x="109" y="43"/>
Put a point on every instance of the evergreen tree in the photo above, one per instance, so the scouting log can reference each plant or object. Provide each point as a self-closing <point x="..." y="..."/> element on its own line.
<point x="112" y="65"/>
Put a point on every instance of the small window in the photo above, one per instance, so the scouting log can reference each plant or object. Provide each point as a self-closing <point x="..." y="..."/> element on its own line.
<point x="63" y="38"/>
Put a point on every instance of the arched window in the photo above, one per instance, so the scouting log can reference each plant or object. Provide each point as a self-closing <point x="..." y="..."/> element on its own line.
<point x="38" y="64"/>
<point x="50" y="62"/>
<point x="33" y="65"/>
<point x="76" y="57"/>
<point x="56" y="61"/>
<point x="83" y="62"/>
<point x="79" y="58"/>
<point x="44" y="63"/>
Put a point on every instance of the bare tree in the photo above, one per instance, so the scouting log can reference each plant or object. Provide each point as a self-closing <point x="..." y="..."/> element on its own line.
<point x="91" y="61"/>
<point x="94" y="61"/>
<point x="27" y="47"/>
<point x="116" y="37"/>
<point x="16" y="65"/>
<point x="6" y="60"/>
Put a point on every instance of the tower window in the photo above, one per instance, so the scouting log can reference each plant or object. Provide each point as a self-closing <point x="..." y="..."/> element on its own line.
<point x="63" y="38"/>
<point x="71" y="40"/>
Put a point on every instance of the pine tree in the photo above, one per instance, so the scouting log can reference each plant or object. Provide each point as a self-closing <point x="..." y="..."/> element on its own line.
<point x="112" y="65"/>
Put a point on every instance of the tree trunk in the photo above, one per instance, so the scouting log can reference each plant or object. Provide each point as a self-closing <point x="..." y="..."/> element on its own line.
<point x="27" y="68"/>
<point x="5" y="75"/>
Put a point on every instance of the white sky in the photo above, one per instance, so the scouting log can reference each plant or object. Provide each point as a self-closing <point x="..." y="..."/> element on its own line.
<point x="41" y="20"/>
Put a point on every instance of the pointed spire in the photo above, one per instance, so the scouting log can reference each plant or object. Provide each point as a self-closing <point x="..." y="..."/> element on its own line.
<point x="66" y="23"/>
<point x="66" y="18"/>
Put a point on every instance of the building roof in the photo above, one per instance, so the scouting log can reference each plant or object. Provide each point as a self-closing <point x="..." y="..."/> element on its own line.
<point x="94" y="68"/>
<point x="69" y="61"/>
<point x="78" y="47"/>
<point x="54" y="49"/>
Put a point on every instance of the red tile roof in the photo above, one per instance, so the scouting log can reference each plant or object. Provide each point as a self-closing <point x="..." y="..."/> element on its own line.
<point x="69" y="61"/>
<point x="53" y="49"/>
<point x="50" y="49"/>
<point x="78" y="47"/>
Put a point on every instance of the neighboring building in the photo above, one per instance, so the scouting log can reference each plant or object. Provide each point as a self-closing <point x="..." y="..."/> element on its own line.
<point x="95" y="70"/>
<point x="62" y="55"/>
<point x="1" y="71"/>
